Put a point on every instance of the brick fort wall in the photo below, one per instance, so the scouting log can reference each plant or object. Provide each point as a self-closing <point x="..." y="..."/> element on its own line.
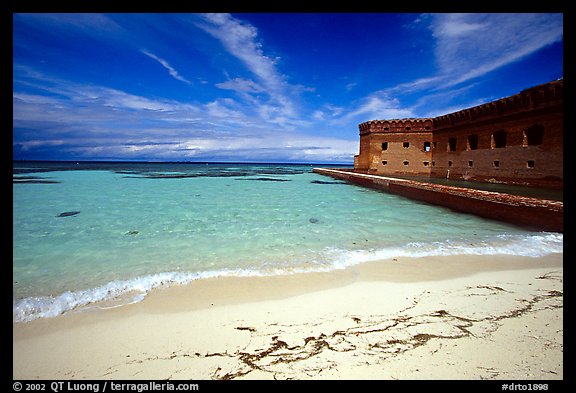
<point x="517" y="139"/>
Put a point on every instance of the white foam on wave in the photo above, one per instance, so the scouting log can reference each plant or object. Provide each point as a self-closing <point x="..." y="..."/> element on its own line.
<point x="533" y="245"/>
<point x="28" y="309"/>
<point x="528" y="245"/>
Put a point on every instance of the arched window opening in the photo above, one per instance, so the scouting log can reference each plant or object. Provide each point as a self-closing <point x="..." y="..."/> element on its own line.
<point x="499" y="139"/>
<point x="451" y="144"/>
<point x="534" y="135"/>
<point x="472" y="142"/>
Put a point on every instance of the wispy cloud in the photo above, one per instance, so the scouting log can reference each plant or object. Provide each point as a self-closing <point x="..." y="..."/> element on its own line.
<point x="241" y="85"/>
<point x="248" y="102"/>
<point x="166" y="65"/>
<point x="92" y="24"/>
<point x="98" y="122"/>
<point x="466" y="47"/>
<point x="471" y="45"/>
<point x="240" y="39"/>
<point x="379" y="105"/>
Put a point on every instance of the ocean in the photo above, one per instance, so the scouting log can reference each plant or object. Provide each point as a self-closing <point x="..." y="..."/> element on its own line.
<point x="103" y="234"/>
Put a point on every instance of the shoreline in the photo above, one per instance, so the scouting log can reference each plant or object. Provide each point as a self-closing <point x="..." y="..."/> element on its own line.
<point x="376" y="320"/>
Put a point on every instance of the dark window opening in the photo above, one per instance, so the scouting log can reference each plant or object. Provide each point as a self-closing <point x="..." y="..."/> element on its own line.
<point x="530" y="164"/>
<point x="452" y="144"/>
<point x="406" y="145"/>
<point x="472" y="142"/>
<point x="499" y="139"/>
<point x="449" y="163"/>
<point x="470" y="163"/>
<point x="534" y="135"/>
<point x="426" y="163"/>
<point x="384" y="162"/>
<point x="407" y="128"/>
<point x="496" y="164"/>
<point x="427" y="146"/>
<point x="406" y="162"/>
<point x="384" y="146"/>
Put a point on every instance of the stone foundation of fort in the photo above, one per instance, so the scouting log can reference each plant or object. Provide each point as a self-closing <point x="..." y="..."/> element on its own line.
<point x="530" y="213"/>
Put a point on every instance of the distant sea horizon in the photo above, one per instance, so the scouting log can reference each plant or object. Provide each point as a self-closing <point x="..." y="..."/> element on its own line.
<point x="148" y="161"/>
<point x="105" y="233"/>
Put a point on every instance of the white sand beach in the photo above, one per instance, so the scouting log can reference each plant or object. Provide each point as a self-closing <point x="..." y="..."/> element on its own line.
<point x="449" y="317"/>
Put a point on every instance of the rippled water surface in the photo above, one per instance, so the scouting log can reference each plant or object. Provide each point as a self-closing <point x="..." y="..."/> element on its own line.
<point x="88" y="232"/>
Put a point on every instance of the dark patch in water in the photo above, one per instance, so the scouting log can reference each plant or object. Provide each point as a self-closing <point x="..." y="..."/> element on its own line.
<point x="314" y="221"/>
<point x="67" y="214"/>
<point x="214" y="173"/>
<point x="132" y="233"/>
<point x="266" y="179"/>
<point x="327" y="182"/>
<point x="165" y="170"/>
<point x="161" y="175"/>
<point x="32" y="180"/>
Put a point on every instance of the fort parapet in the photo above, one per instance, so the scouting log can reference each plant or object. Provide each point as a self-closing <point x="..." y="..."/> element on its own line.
<point x="517" y="139"/>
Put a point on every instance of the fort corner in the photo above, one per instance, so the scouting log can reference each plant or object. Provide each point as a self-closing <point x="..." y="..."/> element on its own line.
<point x="514" y="140"/>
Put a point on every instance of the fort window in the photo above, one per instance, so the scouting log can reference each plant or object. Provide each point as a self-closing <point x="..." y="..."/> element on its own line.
<point x="472" y="142"/>
<point x="499" y="139"/>
<point x="449" y="163"/>
<point x="407" y="128"/>
<point x="406" y="145"/>
<point x="533" y="135"/>
<point x="433" y="163"/>
<point x="530" y="164"/>
<point x="452" y="144"/>
<point x="470" y="163"/>
<point x="406" y="162"/>
<point x="496" y="164"/>
<point x="384" y="146"/>
<point x="426" y="146"/>
<point x="434" y="145"/>
<point x="384" y="162"/>
<point x="426" y="163"/>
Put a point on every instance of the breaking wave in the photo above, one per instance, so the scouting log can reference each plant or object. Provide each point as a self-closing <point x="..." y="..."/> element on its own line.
<point x="134" y="290"/>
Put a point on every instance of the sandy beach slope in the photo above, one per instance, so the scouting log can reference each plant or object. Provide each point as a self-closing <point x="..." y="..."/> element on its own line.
<point x="456" y="317"/>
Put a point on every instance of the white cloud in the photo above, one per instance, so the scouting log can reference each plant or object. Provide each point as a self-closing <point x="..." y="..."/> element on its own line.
<point x="241" y="85"/>
<point x="241" y="40"/>
<point x="466" y="47"/>
<point x="454" y="25"/>
<point x="96" y="122"/>
<point x="471" y="45"/>
<point x="165" y="64"/>
<point x="351" y="86"/>
<point x="378" y="105"/>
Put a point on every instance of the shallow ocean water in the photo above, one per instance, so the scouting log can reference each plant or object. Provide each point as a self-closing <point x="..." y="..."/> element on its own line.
<point x="88" y="232"/>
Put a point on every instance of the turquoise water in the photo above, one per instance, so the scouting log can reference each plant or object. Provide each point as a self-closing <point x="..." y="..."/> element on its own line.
<point x="88" y="232"/>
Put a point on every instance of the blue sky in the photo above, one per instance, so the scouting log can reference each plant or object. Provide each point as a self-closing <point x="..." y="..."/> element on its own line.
<point x="257" y="87"/>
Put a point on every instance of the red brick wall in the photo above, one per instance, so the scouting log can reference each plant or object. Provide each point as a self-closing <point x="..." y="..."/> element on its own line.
<point x="479" y="158"/>
<point x="517" y="162"/>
